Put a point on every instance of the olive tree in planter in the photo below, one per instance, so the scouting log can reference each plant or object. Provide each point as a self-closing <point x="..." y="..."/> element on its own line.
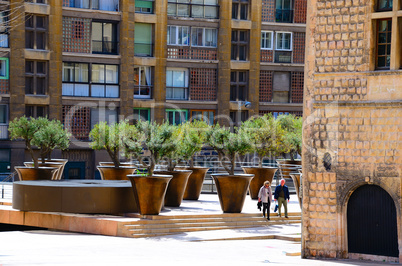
<point x="150" y="188"/>
<point x="292" y="142"/>
<point x="266" y="137"/>
<point x="27" y="129"/>
<point x="115" y="139"/>
<point x="192" y="136"/>
<point x="232" y="189"/>
<point x="49" y="137"/>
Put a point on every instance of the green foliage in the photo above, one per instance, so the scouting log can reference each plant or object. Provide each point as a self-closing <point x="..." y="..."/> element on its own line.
<point x="190" y="139"/>
<point x="266" y="136"/>
<point x="115" y="139"/>
<point x="293" y="133"/>
<point x="46" y="134"/>
<point x="158" y="139"/>
<point x="228" y="145"/>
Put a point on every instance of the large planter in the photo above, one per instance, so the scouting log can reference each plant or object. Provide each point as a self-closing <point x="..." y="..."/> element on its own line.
<point x="194" y="183"/>
<point x="149" y="192"/>
<point x="232" y="190"/>
<point x="176" y="187"/>
<point x="288" y="166"/>
<point x="41" y="173"/>
<point x="61" y="170"/>
<point x="59" y="166"/>
<point x="112" y="173"/>
<point x="260" y="176"/>
<point x="296" y="181"/>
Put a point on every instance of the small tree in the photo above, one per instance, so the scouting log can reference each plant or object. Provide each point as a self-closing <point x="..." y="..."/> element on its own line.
<point x="51" y="135"/>
<point x="158" y="139"/>
<point x="24" y="128"/>
<point x="292" y="126"/>
<point x="228" y="145"/>
<point x="115" y="139"/>
<point x="266" y="136"/>
<point x="191" y="138"/>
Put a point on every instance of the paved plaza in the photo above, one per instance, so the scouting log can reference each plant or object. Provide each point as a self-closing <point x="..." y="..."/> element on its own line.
<point x="45" y="247"/>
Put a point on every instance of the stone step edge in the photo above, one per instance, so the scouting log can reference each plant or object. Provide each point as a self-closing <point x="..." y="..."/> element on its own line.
<point x="161" y="216"/>
<point x="278" y="237"/>
<point x="203" y="224"/>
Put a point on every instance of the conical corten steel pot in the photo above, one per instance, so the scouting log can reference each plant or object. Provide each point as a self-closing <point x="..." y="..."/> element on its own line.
<point x="232" y="191"/>
<point x="260" y="176"/>
<point x="112" y="173"/>
<point x="41" y="173"/>
<point x="176" y="187"/>
<point x="149" y="192"/>
<point x="194" y="183"/>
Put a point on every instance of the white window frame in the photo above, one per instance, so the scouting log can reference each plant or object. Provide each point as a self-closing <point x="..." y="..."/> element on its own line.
<point x="204" y="36"/>
<point x="171" y="86"/>
<point x="277" y="38"/>
<point x="176" y="38"/>
<point x="264" y="40"/>
<point x="146" y="69"/>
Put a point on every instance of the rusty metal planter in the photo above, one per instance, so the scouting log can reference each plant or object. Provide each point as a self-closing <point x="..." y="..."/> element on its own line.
<point x="176" y="187"/>
<point x="149" y="192"/>
<point x="232" y="191"/>
<point x="194" y="183"/>
<point x="112" y="173"/>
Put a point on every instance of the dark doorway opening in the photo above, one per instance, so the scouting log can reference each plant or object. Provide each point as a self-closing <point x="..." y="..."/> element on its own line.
<point x="372" y="223"/>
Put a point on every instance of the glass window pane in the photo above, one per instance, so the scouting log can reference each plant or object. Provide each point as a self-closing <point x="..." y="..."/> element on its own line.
<point x="112" y="91"/>
<point x="96" y="31"/>
<point x="81" y="90"/>
<point x="197" y="11"/>
<point x="40" y="86"/>
<point x="81" y="73"/>
<point x="211" y="12"/>
<point x="98" y="73"/>
<point x="97" y="91"/>
<point x="68" y="73"/>
<point x="169" y="78"/>
<point x="183" y="10"/>
<point x="178" y="79"/>
<point x="41" y="67"/>
<point x="68" y="89"/>
<point x="171" y="9"/>
<point x="112" y="74"/>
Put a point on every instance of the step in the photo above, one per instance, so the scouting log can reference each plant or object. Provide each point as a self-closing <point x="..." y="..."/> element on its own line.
<point x="223" y="215"/>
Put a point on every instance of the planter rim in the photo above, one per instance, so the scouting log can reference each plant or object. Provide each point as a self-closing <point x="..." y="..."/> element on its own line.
<point x="227" y="175"/>
<point x="54" y="159"/>
<point x="152" y="176"/>
<point x="281" y="160"/>
<point x="40" y="167"/>
<point x="264" y="167"/>
<point x="175" y="171"/>
<point x="47" y="162"/>
<point x="121" y="167"/>
<point x="189" y="167"/>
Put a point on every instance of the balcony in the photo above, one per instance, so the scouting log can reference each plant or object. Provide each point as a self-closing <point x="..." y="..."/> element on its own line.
<point x="106" y="5"/>
<point x="3" y="131"/>
<point x="284" y="15"/>
<point x="143" y="49"/>
<point x="104" y="47"/>
<point x="176" y="93"/>
<point x="283" y="56"/>
<point x="195" y="53"/>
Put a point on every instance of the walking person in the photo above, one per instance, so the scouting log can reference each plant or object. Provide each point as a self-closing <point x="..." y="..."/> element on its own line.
<point x="282" y="194"/>
<point x="265" y="195"/>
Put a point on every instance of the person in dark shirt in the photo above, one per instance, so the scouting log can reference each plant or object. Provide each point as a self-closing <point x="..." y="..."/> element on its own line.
<point x="282" y="194"/>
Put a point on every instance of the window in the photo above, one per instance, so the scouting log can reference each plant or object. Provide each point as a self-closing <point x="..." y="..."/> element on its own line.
<point x="75" y="79"/>
<point x="176" y="116"/>
<point x="266" y="40"/>
<point x="284" y="12"/>
<point x="142" y="114"/>
<point x="281" y="87"/>
<point x="207" y="116"/>
<point x="104" y="38"/>
<point x="3" y="68"/>
<point x="284" y="41"/>
<point x="237" y="117"/>
<point x="177" y="84"/>
<point x="384" y="33"/>
<point x="239" y="45"/>
<point x="102" y="82"/>
<point x="3" y="122"/>
<point x="35" y="32"/>
<point x="144" y="6"/>
<point x="107" y="5"/>
<point x="103" y="114"/>
<point x="203" y="37"/>
<point x="3" y="29"/>
<point x="238" y="85"/>
<point x="36" y="111"/>
<point x="36" y="77"/>
<point x="36" y="1"/>
<point x="143" y="39"/>
<point x="105" y="80"/>
<point x="193" y="8"/>
<point x="384" y="5"/>
<point x="178" y="35"/>
<point x="142" y="82"/>
<point x="240" y="9"/>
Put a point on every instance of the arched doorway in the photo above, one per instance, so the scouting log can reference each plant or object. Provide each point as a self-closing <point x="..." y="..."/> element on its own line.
<point x="372" y="222"/>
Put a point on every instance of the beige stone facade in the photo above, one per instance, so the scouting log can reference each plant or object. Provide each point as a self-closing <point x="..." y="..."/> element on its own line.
<point x="352" y="120"/>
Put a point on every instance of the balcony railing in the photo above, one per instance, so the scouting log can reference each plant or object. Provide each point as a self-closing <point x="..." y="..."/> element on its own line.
<point x="193" y="10"/>
<point x="106" y="5"/>
<point x="196" y="53"/>
<point x="104" y="47"/>
<point x="283" y="56"/>
<point x="284" y="15"/>
<point x="143" y="49"/>
<point x="176" y="93"/>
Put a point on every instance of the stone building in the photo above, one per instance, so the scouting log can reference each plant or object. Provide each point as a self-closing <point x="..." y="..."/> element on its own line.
<point x="352" y="179"/>
<point x="83" y="61"/>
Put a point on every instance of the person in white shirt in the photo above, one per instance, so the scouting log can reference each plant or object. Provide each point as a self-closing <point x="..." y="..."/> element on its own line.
<point x="265" y="195"/>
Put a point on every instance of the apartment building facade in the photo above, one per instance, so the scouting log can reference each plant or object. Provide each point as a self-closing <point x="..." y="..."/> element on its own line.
<point x="84" y="61"/>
